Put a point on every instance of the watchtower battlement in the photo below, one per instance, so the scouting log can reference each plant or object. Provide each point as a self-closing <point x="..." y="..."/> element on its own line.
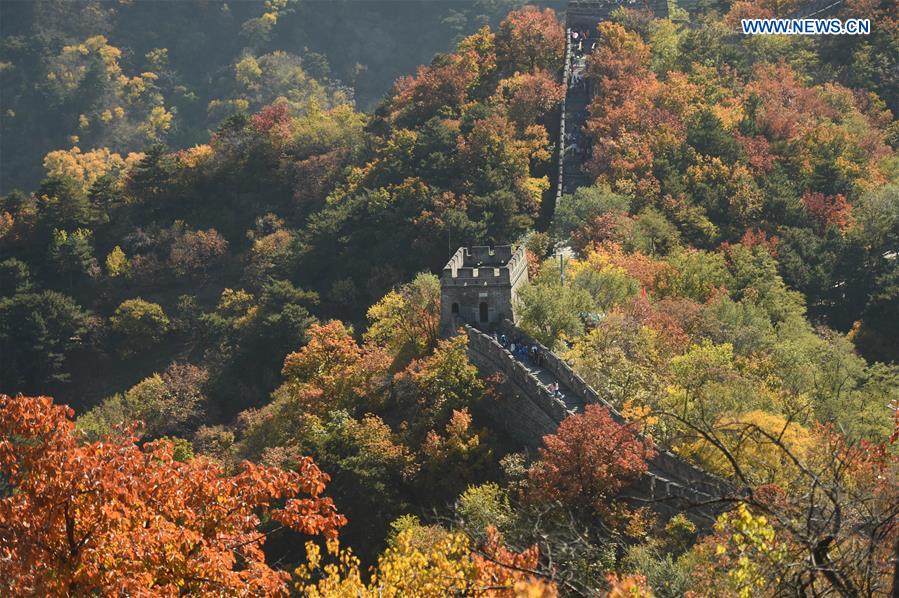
<point x="482" y="265"/>
<point x="479" y="286"/>
<point x="587" y="13"/>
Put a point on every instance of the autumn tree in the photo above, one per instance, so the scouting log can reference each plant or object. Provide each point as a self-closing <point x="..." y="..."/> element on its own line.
<point x="623" y="359"/>
<point x="815" y="517"/>
<point x="529" y="39"/>
<point x="693" y="274"/>
<point x="86" y="168"/>
<point x="332" y="371"/>
<point x="75" y="517"/>
<point x="759" y="459"/>
<point x="117" y="263"/>
<point x="828" y="211"/>
<point x="271" y="255"/>
<point x="589" y="461"/>
<point x="429" y="561"/>
<point x="454" y="458"/>
<point x="170" y="403"/>
<point x="484" y="506"/>
<point x="407" y="321"/>
<point x="196" y="251"/>
<point x="607" y="285"/>
<point x="432" y="388"/>
<point x="530" y="96"/>
<point x="138" y="322"/>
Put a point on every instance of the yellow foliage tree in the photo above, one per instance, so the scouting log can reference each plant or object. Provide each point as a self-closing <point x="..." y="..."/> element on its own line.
<point x="753" y="440"/>
<point x="407" y="321"/>
<point x="741" y="558"/>
<point x="426" y="562"/>
<point x="117" y="263"/>
<point x="87" y="167"/>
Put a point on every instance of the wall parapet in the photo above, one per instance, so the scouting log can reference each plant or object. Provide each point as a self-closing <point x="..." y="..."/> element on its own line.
<point x="560" y="149"/>
<point x="513" y="369"/>
<point x="481" y="265"/>
<point x="669" y="478"/>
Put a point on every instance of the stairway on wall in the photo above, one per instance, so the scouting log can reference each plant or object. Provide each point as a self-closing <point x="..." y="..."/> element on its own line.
<point x="577" y="98"/>
<point x="573" y="403"/>
<point x="571" y="173"/>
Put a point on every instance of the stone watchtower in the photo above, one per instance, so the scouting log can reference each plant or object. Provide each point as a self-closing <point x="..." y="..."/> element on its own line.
<point x="479" y="286"/>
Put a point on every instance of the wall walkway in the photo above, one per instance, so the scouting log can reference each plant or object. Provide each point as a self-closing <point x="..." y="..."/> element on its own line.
<point x="528" y="411"/>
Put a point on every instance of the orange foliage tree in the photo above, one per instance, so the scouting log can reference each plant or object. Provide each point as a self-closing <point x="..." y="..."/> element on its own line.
<point x="503" y="572"/>
<point x="530" y="38"/>
<point x="332" y="370"/>
<point x="114" y="518"/>
<point x="589" y="460"/>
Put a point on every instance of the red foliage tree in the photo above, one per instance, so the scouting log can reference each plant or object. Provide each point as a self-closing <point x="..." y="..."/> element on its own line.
<point x="197" y="251"/>
<point x="828" y="210"/>
<point x="271" y="117"/>
<point x="787" y="108"/>
<point x="507" y="573"/>
<point x="601" y="229"/>
<point x="674" y="318"/>
<point x="314" y="177"/>
<point x="630" y="113"/>
<point x="589" y="461"/>
<point x="274" y="124"/>
<point x="445" y="83"/>
<point x="754" y="237"/>
<point x="620" y="56"/>
<point x="531" y="96"/>
<point x="115" y="518"/>
<point x="758" y="153"/>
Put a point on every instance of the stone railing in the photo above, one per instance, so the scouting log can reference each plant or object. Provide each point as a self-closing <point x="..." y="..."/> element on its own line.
<point x="566" y="81"/>
<point x="487" y="347"/>
<point x="670" y="481"/>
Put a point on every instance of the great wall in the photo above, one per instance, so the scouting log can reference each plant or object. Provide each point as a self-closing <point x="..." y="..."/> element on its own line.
<point x="526" y="410"/>
<point x="478" y="293"/>
<point x="479" y="287"/>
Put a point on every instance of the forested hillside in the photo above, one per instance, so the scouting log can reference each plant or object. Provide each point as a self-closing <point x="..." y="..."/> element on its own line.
<point x="217" y="245"/>
<point x="123" y="75"/>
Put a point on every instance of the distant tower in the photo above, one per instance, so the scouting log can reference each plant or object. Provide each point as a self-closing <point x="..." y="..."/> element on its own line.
<point x="479" y="286"/>
<point x="588" y="13"/>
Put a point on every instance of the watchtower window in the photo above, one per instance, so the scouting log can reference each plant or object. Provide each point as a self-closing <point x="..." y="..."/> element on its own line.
<point x="455" y="308"/>
<point x="483" y="311"/>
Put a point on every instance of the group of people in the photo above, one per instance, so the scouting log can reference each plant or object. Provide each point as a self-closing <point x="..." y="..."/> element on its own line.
<point x="580" y="41"/>
<point x="530" y="354"/>
<point x="578" y="77"/>
<point x="554" y="390"/>
<point x="576" y="144"/>
<point x="578" y="63"/>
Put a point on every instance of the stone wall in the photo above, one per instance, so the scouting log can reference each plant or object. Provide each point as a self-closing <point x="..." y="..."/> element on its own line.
<point x="560" y="143"/>
<point x="525" y="410"/>
<point x="528" y="412"/>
